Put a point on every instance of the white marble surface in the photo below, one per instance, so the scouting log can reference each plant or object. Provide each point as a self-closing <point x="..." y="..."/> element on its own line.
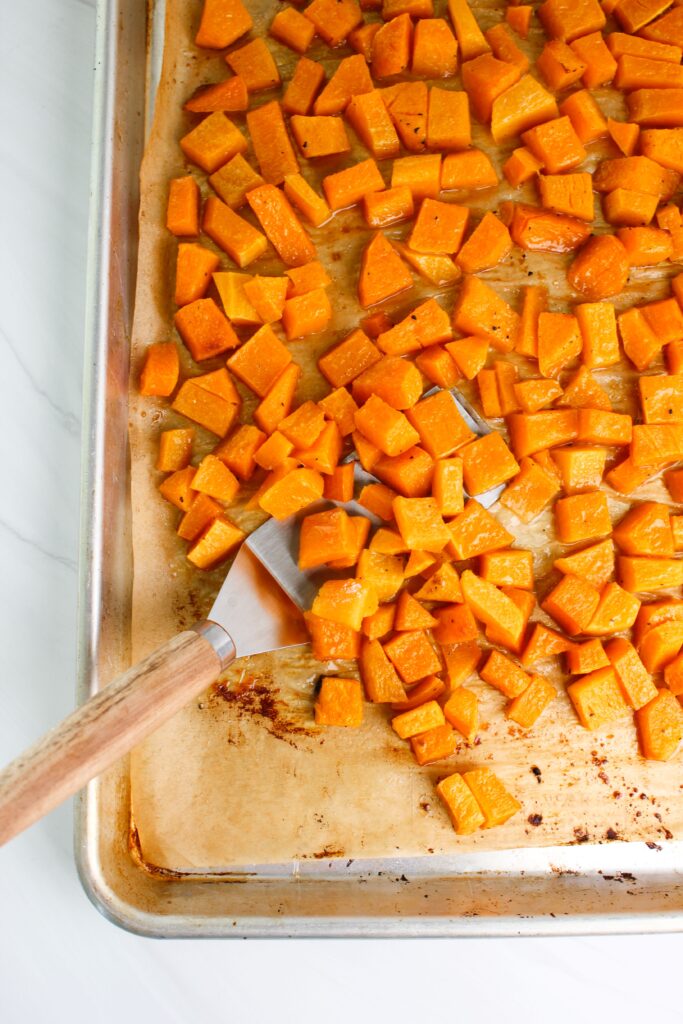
<point x="59" y="959"/>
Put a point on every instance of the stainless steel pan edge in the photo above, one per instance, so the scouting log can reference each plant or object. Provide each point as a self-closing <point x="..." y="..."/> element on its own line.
<point x="614" y="888"/>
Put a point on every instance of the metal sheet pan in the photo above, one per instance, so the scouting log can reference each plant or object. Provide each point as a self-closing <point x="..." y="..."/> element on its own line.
<point x="620" y="887"/>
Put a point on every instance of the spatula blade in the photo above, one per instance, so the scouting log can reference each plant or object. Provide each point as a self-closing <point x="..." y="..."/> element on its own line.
<point x="254" y="610"/>
<point x="256" y="604"/>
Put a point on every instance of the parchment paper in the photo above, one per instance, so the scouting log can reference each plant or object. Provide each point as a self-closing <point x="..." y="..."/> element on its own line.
<point x="243" y="776"/>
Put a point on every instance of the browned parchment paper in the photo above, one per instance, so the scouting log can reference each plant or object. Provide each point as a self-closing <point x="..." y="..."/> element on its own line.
<point x="243" y="776"/>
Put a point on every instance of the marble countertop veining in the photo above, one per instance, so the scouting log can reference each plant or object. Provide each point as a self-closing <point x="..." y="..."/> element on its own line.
<point x="58" y="957"/>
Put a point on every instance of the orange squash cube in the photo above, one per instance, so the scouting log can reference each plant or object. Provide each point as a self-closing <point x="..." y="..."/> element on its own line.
<point x="323" y="537"/>
<point x="345" y="601"/>
<point x="497" y="805"/>
<point x="418" y="720"/>
<point x="330" y="640"/>
<point x="439" y="227"/>
<point x="414" y="658"/>
<point x="645" y="530"/>
<point x="222" y="23"/>
<point x="476" y="531"/>
<point x="505" y="674"/>
<point x="582" y="517"/>
<point x="213" y="142"/>
<point x="161" y="369"/>
<point x="455" y="625"/>
<point x="481" y="311"/>
<point x="277" y="403"/>
<point x="487" y="462"/>
<point x="556" y="144"/>
<point x="434" y="745"/>
<point x="634" y="679"/>
<point x="462" y="808"/>
<point x="292" y="493"/>
<point x="420" y="524"/>
<point x="198" y="516"/>
<point x="205" y="407"/>
<point x="490" y="605"/>
<point x="380" y="679"/>
<point x="524" y="105"/>
<point x="572" y="603"/>
<point x="440" y="426"/>
<point x="512" y="568"/>
<point x="427" y="689"/>
<point x="175" y="449"/>
<point x="587" y="657"/>
<point x="462" y="712"/>
<point x="182" y="212"/>
<point x="615" y="613"/>
<point x="598" y="699"/>
<point x="528" y="707"/>
<point x="215" y="479"/>
<point x="530" y="492"/>
<point x="239" y="450"/>
<point x="339" y="702"/>
<point x="660" y="726"/>
<point x="217" y="541"/>
<point x="461" y="662"/>
<point x="259" y="361"/>
<point x="544" y="643"/>
<point x="441" y="585"/>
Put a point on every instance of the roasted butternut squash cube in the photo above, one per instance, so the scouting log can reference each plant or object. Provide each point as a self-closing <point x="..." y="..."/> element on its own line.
<point x="463" y="810"/>
<point x="204" y="329"/>
<point x="384" y="572"/>
<point x="414" y="658"/>
<point x="476" y="531"/>
<point x="296" y="490"/>
<point x="213" y="142"/>
<point x="487" y="462"/>
<point x="582" y="517"/>
<point x="217" y="541"/>
<point x="461" y="662"/>
<point x="646" y="530"/>
<point x="505" y="674"/>
<point x="530" y="705"/>
<point x="544" y="643"/>
<point x="429" y="688"/>
<point x="259" y="361"/>
<point x="496" y="803"/>
<point x="380" y="679"/>
<point x="572" y="603"/>
<point x="215" y="479"/>
<point x="434" y="745"/>
<point x="598" y="699"/>
<point x="588" y="657"/>
<point x="205" y="407"/>
<point x="420" y="523"/>
<point x="339" y="702"/>
<point x="455" y="625"/>
<point x="324" y="536"/>
<point x="660" y="726"/>
<point x="442" y="585"/>
<point x="462" y="711"/>
<point x="410" y="614"/>
<point x="635" y="681"/>
<point x="346" y="601"/>
<point x="331" y="640"/>
<point x="419" y="720"/>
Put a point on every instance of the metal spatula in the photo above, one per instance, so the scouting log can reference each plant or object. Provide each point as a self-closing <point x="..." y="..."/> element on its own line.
<point x="251" y="615"/>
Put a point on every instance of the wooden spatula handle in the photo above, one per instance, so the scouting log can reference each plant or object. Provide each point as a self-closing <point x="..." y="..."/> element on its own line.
<point x="105" y="728"/>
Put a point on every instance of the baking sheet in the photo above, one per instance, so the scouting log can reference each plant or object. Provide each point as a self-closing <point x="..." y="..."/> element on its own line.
<point x="243" y="776"/>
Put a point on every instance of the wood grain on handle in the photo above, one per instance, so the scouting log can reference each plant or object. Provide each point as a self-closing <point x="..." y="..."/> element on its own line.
<point x="103" y="730"/>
